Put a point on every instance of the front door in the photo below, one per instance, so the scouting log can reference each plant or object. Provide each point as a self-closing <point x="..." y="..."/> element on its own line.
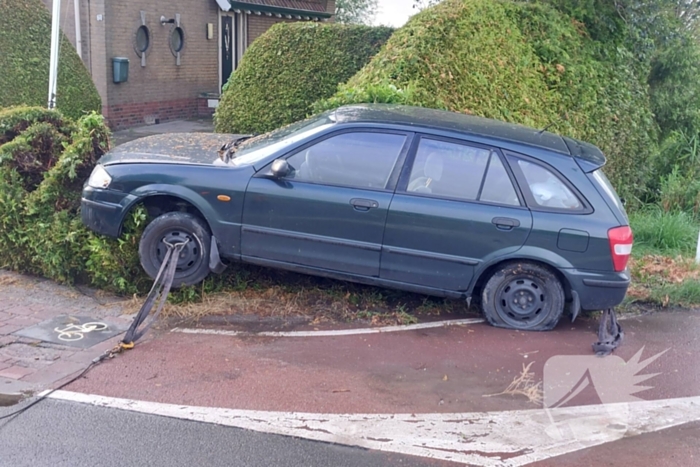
<point x="455" y="208"/>
<point x="227" y="48"/>
<point x="329" y="212"/>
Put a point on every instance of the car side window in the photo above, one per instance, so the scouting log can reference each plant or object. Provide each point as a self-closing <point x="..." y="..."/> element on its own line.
<point x="357" y="159"/>
<point x="498" y="188"/>
<point x="448" y="169"/>
<point x="547" y="189"/>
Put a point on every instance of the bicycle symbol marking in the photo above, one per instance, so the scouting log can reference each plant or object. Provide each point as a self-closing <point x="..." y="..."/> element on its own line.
<point x="75" y="332"/>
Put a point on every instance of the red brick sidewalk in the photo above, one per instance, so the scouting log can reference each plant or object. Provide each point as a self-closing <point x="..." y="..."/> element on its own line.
<point x="30" y="365"/>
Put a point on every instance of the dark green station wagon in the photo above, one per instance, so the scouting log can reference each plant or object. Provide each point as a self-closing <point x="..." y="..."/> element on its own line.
<point x="434" y="202"/>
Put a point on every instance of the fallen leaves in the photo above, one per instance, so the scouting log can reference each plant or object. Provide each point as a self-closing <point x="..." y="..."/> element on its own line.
<point x="676" y="270"/>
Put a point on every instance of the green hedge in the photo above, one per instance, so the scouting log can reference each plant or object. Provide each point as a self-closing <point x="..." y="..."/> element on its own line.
<point x="519" y="62"/>
<point x="44" y="160"/>
<point x="290" y="67"/>
<point x="25" y="43"/>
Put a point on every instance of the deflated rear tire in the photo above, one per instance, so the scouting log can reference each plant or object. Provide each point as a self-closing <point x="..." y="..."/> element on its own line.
<point x="524" y="296"/>
<point x="175" y="227"/>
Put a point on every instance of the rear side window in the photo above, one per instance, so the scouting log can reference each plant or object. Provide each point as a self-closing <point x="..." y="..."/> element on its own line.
<point x="357" y="159"/>
<point x="460" y="171"/>
<point x="497" y="185"/>
<point x="548" y="190"/>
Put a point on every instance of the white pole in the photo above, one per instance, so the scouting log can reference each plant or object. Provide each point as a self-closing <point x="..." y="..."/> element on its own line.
<point x="53" y="61"/>
<point x="697" y="251"/>
<point x="78" y="38"/>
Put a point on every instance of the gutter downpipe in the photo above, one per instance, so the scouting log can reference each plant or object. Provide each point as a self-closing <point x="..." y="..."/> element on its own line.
<point x="78" y="37"/>
<point x="53" y="61"/>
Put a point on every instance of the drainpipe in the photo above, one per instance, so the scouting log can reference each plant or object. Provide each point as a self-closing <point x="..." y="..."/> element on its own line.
<point x="78" y="38"/>
<point x="53" y="61"/>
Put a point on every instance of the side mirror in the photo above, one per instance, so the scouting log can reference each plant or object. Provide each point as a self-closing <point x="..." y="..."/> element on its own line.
<point x="280" y="168"/>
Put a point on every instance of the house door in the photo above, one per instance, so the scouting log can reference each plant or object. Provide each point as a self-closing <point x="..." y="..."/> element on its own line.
<point x="234" y="40"/>
<point x="227" y="48"/>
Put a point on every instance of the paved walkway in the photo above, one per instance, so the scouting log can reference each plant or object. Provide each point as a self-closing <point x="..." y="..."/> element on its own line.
<point x="28" y="364"/>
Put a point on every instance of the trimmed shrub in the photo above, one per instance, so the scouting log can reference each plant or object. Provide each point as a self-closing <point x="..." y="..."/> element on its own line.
<point x="290" y="67"/>
<point x="25" y="43"/>
<point x="44" y="160"/>
<point x="519" y="62"/>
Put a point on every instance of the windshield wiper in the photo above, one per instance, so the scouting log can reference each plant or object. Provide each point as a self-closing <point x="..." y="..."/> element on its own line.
<point x="227" y="150"/>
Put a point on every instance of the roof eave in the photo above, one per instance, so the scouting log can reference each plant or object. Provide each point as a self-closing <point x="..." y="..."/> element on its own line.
<point x="276" y="10"/>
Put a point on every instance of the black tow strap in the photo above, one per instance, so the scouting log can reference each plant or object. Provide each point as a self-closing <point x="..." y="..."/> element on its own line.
<point x="610" y="334"/>
<point x="159" y="293"/>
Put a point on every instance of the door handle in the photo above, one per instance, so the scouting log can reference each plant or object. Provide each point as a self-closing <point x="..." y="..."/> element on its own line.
<point x="505" y="223"/>
<point x="361" y="204"/>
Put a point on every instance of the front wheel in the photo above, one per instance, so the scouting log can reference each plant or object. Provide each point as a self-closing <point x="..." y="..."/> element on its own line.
<point x="524" y="296"/>
<point x="176" y="227"/>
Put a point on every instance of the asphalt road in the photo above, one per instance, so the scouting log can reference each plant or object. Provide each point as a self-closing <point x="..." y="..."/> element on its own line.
<point x="56" y="433"/>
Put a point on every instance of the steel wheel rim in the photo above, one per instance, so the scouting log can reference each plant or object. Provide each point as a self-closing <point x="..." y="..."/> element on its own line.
<point x="191" y="255"/>
<point x="521" y="301"/>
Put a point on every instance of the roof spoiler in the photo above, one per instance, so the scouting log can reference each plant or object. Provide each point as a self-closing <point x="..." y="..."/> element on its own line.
<point x="588" y="157"/>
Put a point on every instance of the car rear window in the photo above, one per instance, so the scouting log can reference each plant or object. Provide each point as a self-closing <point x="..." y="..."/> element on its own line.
<point x="605" y="184"/>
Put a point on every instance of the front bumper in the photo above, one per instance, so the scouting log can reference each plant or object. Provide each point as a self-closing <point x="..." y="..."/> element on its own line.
<point x="598" y="290"/>
<point x="103" y="211"/>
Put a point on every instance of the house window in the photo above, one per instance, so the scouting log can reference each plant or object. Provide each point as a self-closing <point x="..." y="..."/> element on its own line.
<point x="142" y="39"/>
<point x="177" y="40"/>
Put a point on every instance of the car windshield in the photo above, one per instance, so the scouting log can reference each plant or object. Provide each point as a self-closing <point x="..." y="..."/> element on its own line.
<point x="259" y="147"/>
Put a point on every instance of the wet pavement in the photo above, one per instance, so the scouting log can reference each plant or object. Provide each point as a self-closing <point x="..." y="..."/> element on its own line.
<point x="452" y="369"/>
<point x="458" y="371"/>
<point x="445" y="385"/>
<point x="43" y="341"/>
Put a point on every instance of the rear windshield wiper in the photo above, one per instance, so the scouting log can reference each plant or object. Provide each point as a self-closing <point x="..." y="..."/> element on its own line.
<point x="226" y="151"/>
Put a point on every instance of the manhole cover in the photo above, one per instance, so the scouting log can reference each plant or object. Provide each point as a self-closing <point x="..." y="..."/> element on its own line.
<point x="75" y="331"/>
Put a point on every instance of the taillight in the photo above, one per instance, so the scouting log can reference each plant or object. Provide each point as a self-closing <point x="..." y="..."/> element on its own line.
<point x="621" y="240"/>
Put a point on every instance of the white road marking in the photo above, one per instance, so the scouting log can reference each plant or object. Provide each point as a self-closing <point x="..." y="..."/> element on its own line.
<point x="336" y="332"/>
<point x="512" y="438"/>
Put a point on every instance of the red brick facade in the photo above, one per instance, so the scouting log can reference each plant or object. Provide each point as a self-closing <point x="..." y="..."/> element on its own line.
<point x="159" y="88"/>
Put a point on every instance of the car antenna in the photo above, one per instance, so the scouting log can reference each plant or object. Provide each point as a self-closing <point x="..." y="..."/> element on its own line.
<point x="563" y="116"/>
<point x="549" y="125"/>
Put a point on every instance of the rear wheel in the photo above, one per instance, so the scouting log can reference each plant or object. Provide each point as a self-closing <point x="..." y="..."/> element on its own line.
<point x="523" y="296"/>
<point x="176" y="227"/>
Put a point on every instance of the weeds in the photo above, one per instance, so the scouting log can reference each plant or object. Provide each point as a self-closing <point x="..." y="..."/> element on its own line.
<point x="524" y="385"/>
<point x="662" y="232"/>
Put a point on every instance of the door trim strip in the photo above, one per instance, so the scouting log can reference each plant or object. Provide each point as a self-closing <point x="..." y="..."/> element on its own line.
<point x="431" y="255"/>
<point x="312" y="238"/>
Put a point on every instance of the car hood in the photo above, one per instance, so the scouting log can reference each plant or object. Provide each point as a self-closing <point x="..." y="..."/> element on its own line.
<point x="171" y="148"/>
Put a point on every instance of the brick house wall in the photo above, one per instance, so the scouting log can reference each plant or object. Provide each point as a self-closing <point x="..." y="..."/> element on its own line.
<point x="161" y="90"/>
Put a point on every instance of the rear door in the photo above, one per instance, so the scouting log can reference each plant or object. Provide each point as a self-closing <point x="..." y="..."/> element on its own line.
<point x="456" y="206"/>
<point x="330" y="211"/>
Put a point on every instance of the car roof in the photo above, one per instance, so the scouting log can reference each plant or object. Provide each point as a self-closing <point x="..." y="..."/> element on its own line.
<point x="451" y="121"/>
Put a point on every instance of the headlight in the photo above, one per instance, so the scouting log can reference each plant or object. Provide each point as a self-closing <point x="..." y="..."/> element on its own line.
<point x="99" y="178"/>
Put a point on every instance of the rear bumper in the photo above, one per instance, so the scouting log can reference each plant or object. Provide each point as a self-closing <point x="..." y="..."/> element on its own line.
<point x="598" y="290"/>
<point x="103" y="210"/>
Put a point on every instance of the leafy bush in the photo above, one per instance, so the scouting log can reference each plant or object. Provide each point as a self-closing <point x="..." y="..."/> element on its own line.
<point x="288" y="68"/>
<point x="44" y="160"/>
<point x="520" y="62"/>
<point x="25" y="42"/>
